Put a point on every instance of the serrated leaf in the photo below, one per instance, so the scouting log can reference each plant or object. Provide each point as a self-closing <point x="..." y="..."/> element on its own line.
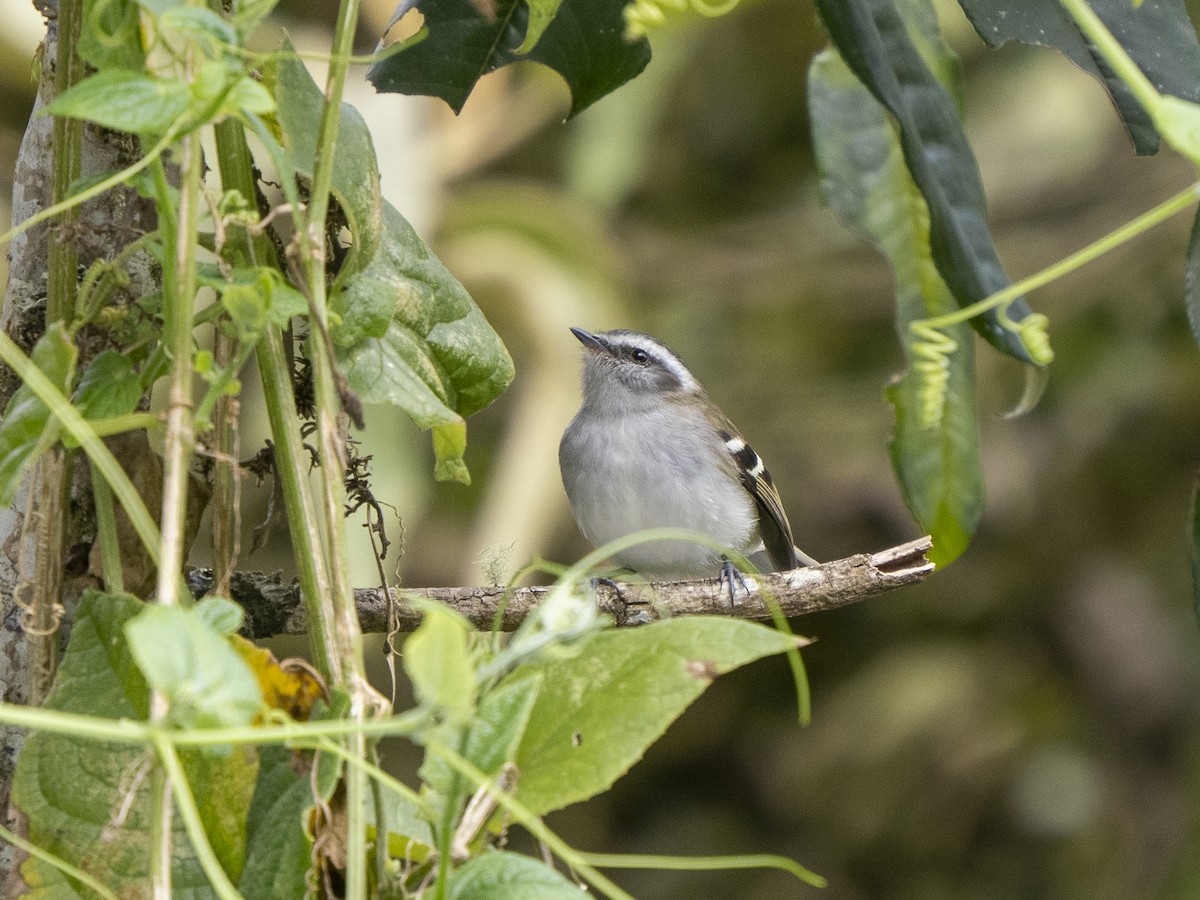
<point x="355" y="183"/>
<point x="499" y="875"/>
<point x="1158" y="36"/>
<point x="206" y="681"/>
<point x="27" y="429"/>
<point x="437" y="661"/>
<point x="584" y="43"/>
<point x="598" y="710"/>
<point x="872" y="37"/>
<point x="864" y="179"/>
<point x="409" y="334"/>
<point x="108" y="387"/>
<point x="73" y="790"/>
<point x="124" y="101"/>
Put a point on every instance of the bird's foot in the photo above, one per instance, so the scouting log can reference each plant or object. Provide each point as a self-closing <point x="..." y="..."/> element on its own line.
<point x="732" y="577"/>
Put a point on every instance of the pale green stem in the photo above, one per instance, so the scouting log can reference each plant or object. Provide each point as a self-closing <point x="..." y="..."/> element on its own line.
<point x="127" y="731"/>
<point x="347" y="633"/>
<point x="1114" y="54"/>
<point x="186" y="802"/>
<point x="532" y="823"/>
<point x="702" y="863"/>
<point x="106" y="534"/>
<point x="1092" y="251"/>
<point x="61" y="864"/>
<point x="76" y="426"/>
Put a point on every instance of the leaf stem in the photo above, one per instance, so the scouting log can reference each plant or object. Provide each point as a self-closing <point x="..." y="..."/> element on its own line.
<point x="1114" y="54"/>
<point x="81" y="431"/>
<point x="532" y="823"/>
<point x="1079" y="258"/>
<point x="702" y="863"/>
<point x="106" y="534"/>
<point x="62" y="865"/>
<point x="186" y="803"/>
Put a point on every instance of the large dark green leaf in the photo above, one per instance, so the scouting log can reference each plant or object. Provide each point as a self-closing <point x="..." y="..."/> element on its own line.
<point x="355" y="172"/>
<point x="28" y="429"/>
<point x="88" y="801"/>
<point x="584" y="43"/>
<point x="864" y="179"/>
<point x="874" y="41"/>
<point x="278" y="849"/>
<point x="1158" y="36"/>
<point x="408" y="333"/>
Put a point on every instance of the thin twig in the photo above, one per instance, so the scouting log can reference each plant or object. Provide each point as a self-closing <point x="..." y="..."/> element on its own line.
<point x="274" y="608"/>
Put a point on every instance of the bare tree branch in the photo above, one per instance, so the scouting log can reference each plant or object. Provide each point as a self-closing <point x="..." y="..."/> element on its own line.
<point x="274" y="608"/>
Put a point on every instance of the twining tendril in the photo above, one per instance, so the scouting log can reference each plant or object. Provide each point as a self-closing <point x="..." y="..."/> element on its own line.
<point x="1033" y="330"/>
<point x="642" y="16"/>
<point x="931" y="360"/>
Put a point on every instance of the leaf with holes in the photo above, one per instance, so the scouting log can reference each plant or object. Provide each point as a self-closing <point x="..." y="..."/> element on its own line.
<point x="583" y="41"/>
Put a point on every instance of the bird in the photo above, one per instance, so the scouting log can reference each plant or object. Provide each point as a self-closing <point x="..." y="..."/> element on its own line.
<point x="649" y="449"/>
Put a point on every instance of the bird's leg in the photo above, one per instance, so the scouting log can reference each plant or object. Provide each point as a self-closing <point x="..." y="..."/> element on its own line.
<point x="731" y="576"/>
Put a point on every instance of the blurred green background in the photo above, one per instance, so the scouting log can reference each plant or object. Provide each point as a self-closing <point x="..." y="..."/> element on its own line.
<point x="1024" y="724"/>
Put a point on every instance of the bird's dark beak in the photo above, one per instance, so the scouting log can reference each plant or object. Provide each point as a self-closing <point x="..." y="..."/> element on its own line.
<point x="588" y="339"/>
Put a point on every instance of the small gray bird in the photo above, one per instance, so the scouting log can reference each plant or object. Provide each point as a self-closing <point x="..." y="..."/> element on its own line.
<point x="648" y="449"/>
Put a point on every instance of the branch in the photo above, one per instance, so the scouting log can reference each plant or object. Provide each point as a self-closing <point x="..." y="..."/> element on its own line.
<point x="273" y="607"/>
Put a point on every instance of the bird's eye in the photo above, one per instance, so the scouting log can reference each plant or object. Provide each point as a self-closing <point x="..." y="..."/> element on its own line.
<point x="639" y="356"/>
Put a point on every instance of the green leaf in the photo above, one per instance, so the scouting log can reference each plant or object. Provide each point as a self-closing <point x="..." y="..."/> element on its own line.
<point x="1158" y="36"/>
<point x="73" y="789"/>
<point x="247" y="308"/>
<point x="220" y="614"/>
<point x="278" y="849"/>
<point x="1195" y="536"/>
<point x="355" y="183"/>
<point x="409" y="334"/>
<point x="206" y="681"/>
<point x="601" y="707"/>
<point x="864" y="179"/>
<point x="492" y="740"/>
<point x="1192" y="279"/>
<point x="499" y="875"/>
<point x="584" y="43"/>
<point x="110" y="37"/>
<point x="873" y="39"/>
<point x="108" y="387"/>
<point x="28" y="430"/>
<point x="449" y="445"/>
<point x="124" y="101"/>
<point x="541" y="14"/>
<point x="437" y="661"/>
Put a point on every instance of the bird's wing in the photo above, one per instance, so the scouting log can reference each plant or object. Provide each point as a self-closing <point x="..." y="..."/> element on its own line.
<point x="773" y="525"/>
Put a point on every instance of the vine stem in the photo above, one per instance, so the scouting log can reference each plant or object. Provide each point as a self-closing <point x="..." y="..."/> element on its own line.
<point x="346" y="633"/>
<point x="79" y="429"/>
<point x="1079" y="258"/>
<point x="1114" y="54"/>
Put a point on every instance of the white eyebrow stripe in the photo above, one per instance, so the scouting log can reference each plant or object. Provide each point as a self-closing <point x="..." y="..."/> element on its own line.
<point x="669" y="360"/>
